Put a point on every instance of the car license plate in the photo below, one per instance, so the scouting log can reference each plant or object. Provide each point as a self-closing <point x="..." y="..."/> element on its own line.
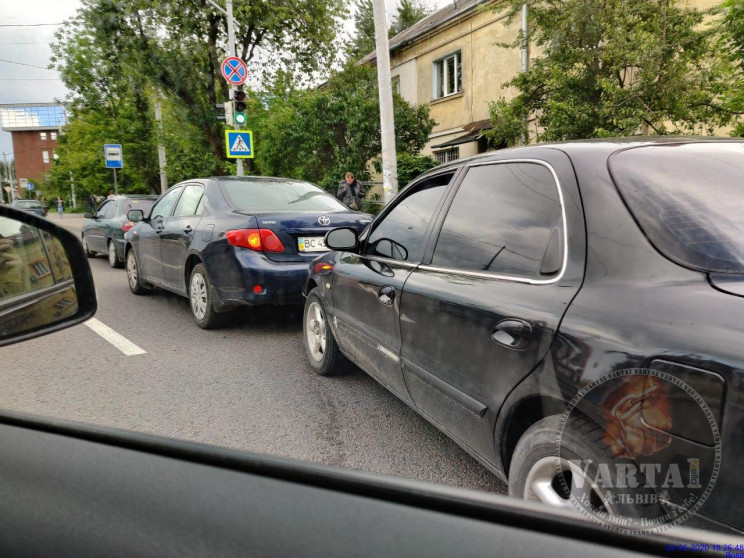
<point x="311" y="244"/>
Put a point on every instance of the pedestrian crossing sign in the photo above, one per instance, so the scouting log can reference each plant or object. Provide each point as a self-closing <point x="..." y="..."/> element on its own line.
<point x="239" y="144"/>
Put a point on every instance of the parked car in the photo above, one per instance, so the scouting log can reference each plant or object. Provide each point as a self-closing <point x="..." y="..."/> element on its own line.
<point x="103" y="232"/>
<point x="32" y="206"/>
<point x="494" y="290"/>
<point x="231" y="241"/>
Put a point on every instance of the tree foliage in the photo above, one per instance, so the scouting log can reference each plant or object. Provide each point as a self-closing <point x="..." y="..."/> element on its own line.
<point x="614" y="68"/>
<point x="318" y="135"/>
<point x="407" y="13"/>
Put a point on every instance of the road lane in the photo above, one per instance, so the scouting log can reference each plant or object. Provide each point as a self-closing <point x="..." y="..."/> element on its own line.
<point x="246" y="386"/>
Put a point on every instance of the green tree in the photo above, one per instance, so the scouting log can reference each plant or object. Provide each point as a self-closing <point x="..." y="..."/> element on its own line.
<point x="363" y="40"/>
<point x="318" y="135"/>
<point x="407" y="13"/>
<point x="732" y="24"/>
<point x="615" y="68"/>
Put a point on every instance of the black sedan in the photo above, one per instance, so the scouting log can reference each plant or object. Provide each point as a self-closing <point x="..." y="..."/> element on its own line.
<point x="229" y="241"/>
<point x="570" y="314"/>
<point x="103" y="232"/>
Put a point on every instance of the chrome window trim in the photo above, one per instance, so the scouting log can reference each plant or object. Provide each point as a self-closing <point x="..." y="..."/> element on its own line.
<point x="513" y="278"/>
<point x="392" y="261"/>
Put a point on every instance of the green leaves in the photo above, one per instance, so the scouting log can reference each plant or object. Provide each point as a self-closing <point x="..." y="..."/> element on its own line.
<point x="615" y="68"/>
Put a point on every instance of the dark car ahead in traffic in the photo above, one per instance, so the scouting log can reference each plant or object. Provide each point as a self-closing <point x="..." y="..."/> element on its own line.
<point x="231" y="241"/>
<point x="103" y="232"/>
<point x="31" y="206"/>
<point x="582" y="299"/>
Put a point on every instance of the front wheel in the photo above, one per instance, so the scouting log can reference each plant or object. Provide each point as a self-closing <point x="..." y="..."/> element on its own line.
<point x="200" y="300"/>
<point x="322" y="350"/>
<point x="113" y="257"/>
<point x="133" y="276"/>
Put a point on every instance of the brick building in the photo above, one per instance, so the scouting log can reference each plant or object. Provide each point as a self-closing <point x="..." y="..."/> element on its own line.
<point x="34" y="128"/>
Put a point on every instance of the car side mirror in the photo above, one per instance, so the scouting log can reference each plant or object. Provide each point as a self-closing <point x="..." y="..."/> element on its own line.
<point x="88" y="215"/>
<point x="45" y="279"/>
<point x="136" y="215"/>
<point x="344" y="238"/>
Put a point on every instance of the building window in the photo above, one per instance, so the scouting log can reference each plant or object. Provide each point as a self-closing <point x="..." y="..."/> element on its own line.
<point x="54" y="136"/>
<point x="43" y="136"/>
<point x="54" y="155"/>
<point x="447" y="155"/>
<point x="396" y="84"/>
<point x="45" y="156"/>
<point x="447" y="76"/>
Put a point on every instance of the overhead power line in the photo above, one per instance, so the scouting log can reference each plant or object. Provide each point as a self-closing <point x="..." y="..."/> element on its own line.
<point x="23" y="64"/>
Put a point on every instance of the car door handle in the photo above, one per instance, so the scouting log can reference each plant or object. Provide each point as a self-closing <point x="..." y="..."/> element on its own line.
<point x="513" y="333"/>
<point x="386" y="295"/>
<point x="159" y="230"/>
<point x="188" y="230"/>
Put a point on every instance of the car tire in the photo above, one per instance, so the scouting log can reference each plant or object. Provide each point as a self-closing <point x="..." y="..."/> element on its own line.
<point x="136" y="285"/>
<point x="88" y="251"/>
<point x="535" y="464"/>
<point x="322" y="350"/>
<point x="113" y="257"/>
<point x="200" y="300"/>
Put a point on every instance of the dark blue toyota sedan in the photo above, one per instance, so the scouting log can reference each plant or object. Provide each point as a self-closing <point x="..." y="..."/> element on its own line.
<point x="224" y="242"/>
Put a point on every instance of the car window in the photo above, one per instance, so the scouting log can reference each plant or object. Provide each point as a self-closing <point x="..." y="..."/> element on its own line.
<point x="505" y="218"/>
<point x="400" y="232"/>
<point x="164" y="207"/>
<point x="271" y="195"/>
<point x="138" y="203"/>
<point x="110" y="212"/>
<point x="102" y="212"/>
<point x="188" y="203"/>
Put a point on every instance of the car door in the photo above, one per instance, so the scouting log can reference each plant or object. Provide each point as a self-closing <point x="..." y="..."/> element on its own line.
<point x="177" y="233"/>
<point x="481" y="314"/>
<point x="96" y="233"/>
<point x="148" y="243"/>
<point x="366" y="287"/>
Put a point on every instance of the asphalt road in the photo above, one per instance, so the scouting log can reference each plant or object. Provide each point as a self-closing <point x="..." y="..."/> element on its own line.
<point x="246" y="387"/>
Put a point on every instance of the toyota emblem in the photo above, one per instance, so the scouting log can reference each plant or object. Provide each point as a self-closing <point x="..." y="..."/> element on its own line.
<point x="323" y="220"/>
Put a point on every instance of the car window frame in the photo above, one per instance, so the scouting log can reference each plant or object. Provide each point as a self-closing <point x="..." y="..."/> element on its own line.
<point x="455" y="187"/>
<point x="100" y="211"/>
<point x="178" y="187"/>
<point x="407" y="191"/>
<point x="186" y="185"/>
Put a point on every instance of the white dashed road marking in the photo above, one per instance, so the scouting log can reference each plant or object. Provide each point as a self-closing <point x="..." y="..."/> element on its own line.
<point x="117" y="340"/>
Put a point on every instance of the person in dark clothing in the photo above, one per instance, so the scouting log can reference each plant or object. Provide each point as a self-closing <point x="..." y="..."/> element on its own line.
<point x="350" y="192"/>
<point x="91" y="203"/>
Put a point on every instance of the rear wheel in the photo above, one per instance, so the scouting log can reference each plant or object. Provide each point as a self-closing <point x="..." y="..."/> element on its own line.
<point x="133" y="277"/>
<point x="113" y="257"/>
<point x="322" y="350"/>
<point x="200" y="300"/>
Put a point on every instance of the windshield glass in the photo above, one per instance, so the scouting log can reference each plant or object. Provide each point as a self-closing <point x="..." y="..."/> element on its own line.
<point x="28" y="203"/>
<point x="690" y="207"/>
<point x="277" y="196"/>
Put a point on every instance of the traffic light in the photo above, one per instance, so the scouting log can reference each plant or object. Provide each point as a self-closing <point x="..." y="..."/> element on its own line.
<point x="239" y="117"/>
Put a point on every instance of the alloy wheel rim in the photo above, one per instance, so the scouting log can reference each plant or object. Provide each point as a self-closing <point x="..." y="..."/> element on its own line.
<point x="315" y="331"/>
<point x="112" y="253"/>
<point x="132" y="270"/>
<point x="543" y="484"/>
<point x="198" y="296"/>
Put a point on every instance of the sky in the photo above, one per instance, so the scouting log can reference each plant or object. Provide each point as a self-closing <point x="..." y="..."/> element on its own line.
<point x="24" y="41"/>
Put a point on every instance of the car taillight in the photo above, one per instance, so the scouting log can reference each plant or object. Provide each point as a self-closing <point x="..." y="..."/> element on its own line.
<point x="261" y="240"/>
<point x="128" y="225"/>
<point x="322" y="266"/>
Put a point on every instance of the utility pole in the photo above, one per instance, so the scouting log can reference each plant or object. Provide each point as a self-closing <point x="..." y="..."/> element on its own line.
<point x="232" y="52"/>
<point x="6" y="177"/>
<point x="161" y="149"/>
<point x="385" y="86"/>
<point x="72" y="191"/>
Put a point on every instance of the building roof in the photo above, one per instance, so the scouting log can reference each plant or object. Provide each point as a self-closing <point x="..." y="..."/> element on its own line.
<point x="32" y="116"/>
<point x="430" y="22"/>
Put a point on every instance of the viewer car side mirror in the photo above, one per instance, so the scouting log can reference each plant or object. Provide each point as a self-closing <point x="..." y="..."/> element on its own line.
<point x="344" y="238"/>
<point x="136" y="215"/>
<point x="45" y="279"/>
<point x="88" y="215"/>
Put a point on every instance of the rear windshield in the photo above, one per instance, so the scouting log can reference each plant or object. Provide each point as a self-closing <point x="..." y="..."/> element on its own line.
<point x="271" y="196"/>
<point x="689" y="201"/>
<point x="29" y="203"/>
<point x="144" y="205"/>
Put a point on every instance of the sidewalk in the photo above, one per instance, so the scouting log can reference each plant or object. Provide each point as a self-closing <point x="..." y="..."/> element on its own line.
<point x="71" y="221"/>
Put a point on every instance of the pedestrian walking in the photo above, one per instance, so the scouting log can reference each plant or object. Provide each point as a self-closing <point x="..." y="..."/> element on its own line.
<point x="111" y="195"/>
<point x="350" y="192"/>
<point x="91" y="203"/>
<point x="60" y="207"/>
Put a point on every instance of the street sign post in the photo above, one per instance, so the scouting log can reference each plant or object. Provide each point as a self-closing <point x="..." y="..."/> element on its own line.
<point x="234" y="70"/>
<point x="239" y="144"/>
<point x="114" y="158"/>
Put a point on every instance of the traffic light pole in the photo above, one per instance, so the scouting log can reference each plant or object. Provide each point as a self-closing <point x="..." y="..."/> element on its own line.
<point x="232" y="52"/>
